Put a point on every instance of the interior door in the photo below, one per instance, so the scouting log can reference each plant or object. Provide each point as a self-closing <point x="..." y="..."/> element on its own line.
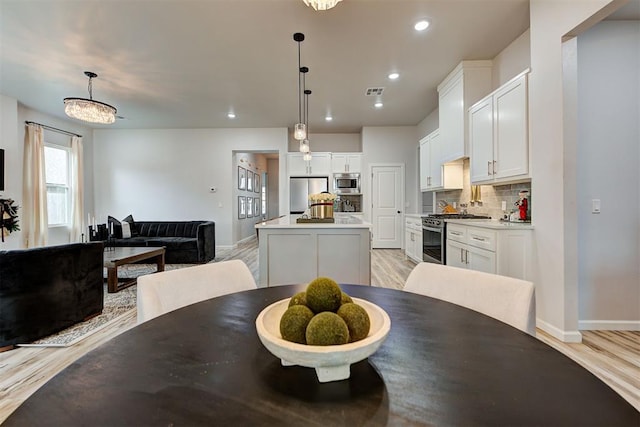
<point x="387" y="199"/>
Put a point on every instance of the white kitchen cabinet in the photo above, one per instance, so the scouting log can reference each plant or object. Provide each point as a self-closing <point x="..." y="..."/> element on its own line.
<point x="464" y="86"/>
<point x="413" y="238"/>
<point x="434" y="175"/>
<point x="500" y="250"/>
<point x="346" y="162"/>
<point x="499" y="134"/>
<point x="319" y="165"/>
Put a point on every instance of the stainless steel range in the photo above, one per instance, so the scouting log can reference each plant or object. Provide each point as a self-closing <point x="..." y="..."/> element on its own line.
<point x="434" y="235"/>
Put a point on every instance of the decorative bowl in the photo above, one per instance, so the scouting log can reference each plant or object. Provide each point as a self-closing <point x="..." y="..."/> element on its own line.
<point x="331" y="362"/>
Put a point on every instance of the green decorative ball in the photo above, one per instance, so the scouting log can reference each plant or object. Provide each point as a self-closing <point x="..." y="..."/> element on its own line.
<point x="345" y="299"/>
<point x="323" y="294"/>
<point x="327" y="328"/>
<point x="294" y="322"/>
<point x="298" y="299"/>
<point x="356" y="319"/>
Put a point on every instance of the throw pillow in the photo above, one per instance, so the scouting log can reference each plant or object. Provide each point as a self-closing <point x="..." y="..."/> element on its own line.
<point x="126" y="230"/>
<point x="132" y="226"/>
<point x="115" y="227"/>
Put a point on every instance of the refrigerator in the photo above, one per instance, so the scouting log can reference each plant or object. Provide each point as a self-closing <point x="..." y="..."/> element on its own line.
<point x="299" y="190"/>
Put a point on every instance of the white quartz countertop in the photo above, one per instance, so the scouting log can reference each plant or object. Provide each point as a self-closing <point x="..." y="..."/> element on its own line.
<point x="493" y="224"/>
<point x="342" y="221"/>
<point x="416" y="215"/>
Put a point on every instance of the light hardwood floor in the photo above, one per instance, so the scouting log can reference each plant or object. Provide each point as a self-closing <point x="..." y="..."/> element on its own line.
<point x="612" y="356"/>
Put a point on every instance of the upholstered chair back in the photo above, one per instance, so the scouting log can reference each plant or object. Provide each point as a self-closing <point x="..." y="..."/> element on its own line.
<point x="507" y="299"/>
<point x="162" y="292"/>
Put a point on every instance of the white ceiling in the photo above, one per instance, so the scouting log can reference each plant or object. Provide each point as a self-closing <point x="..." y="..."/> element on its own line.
<point x="187" y="63"/>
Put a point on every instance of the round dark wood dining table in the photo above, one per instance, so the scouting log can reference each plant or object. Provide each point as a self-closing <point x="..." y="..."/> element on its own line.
<point x="441" y="365"/>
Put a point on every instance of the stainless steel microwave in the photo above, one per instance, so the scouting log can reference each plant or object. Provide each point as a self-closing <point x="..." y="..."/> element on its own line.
<point x="346" y="183"/>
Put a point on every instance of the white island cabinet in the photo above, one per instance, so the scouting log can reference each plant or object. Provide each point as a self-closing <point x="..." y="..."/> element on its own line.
<point x="292" y="253"/>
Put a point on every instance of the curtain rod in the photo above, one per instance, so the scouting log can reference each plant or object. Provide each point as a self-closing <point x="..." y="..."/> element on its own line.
<point x="66" y="132"/>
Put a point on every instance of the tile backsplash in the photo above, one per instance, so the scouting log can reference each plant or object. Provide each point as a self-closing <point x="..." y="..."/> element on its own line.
<point x="491" y="197"/>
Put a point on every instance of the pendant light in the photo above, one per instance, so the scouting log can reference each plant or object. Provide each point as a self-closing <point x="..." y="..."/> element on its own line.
<point x="305" y="147"/>
<point x="89" y="110"/>
<point x="305" y="143"/>
<point x="300" y="129"/>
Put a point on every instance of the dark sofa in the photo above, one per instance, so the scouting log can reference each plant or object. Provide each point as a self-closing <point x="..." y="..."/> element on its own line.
<point x="186" y="242"/>
<point x="45" y="290"/>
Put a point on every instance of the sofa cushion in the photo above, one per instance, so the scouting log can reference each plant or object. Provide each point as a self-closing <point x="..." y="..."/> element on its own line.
<point x="180" y="243"/>
<point x="132" y="225"/>
<point x="131" y="242"/>
<point x="114" y="227"/>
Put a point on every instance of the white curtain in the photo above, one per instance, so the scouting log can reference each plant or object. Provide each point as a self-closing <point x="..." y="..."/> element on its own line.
<point x="77" y="188"/>
<point x="34" y="193"/>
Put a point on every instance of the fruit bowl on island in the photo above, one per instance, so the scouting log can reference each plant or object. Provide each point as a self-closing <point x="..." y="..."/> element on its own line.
<point x="331" y="362"/>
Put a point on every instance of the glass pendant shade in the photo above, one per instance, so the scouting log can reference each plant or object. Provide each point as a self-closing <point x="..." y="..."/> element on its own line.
<point x="304" y="146"/>
<point x="300" y="131"/>
<point x="321" y="4"/>
<point x="89" y="110"/>
<point x="306" y="157"/>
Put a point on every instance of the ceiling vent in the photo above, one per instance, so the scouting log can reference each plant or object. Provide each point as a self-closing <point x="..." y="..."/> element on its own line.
<point x="375" y="91"/>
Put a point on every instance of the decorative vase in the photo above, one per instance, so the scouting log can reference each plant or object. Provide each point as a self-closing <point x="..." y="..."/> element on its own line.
<point x="322" y="210"/>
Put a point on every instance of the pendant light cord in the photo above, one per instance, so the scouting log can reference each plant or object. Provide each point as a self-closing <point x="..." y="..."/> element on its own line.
<point x="299" y="88"/>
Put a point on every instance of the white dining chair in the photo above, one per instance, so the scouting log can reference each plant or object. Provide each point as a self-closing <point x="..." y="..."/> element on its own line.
<point x="507" y="299"/>
<point x="165" y="291"/>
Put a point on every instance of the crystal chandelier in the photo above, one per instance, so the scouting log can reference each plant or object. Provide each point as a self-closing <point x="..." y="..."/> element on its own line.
<point x="321" y="4"/>
<point x="89" y="110"/>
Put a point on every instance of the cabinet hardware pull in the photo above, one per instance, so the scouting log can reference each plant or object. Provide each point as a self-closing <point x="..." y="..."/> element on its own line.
<point x="478" y="238"/>
<point x="466" y="257"/>
<point x="461" y="260"/>
<point x="494" y="167"/>
<point x="489" y="168"/>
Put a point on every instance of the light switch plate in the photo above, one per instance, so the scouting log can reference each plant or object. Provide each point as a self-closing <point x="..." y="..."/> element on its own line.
<point x="595" y="206"/>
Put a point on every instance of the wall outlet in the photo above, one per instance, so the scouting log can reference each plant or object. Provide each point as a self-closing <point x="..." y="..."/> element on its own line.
<point x="595" y="206"/>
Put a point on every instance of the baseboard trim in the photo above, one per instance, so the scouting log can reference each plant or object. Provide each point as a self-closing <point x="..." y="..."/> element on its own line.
<point x="225" y="247"/>
<point x="559" y="334"/>
<point x="609" y="325"/>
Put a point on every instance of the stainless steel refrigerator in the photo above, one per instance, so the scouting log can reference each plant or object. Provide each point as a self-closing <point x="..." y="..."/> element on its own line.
<point x="299" y="190"/>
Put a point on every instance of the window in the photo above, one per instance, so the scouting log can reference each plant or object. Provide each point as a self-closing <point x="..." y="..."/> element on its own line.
<point x="58" y="178"/>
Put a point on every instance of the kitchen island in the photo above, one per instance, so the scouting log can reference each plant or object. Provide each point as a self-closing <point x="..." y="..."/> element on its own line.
<point x="293" y="253"/>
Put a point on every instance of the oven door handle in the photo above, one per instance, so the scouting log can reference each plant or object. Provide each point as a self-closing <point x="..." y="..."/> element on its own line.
<point x="435" y="230"/>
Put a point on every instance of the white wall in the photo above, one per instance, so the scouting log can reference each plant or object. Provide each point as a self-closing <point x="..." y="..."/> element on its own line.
<point x="428" y="124"/>
<point x="167" y="174"/>
<point x="608" y="149"/>
<point x="555" y="255"/>
<point x="513" y="59"/>
<point x="391" y="145"/>
<point x="331" y="142"/>
<point x="13" y="154"/>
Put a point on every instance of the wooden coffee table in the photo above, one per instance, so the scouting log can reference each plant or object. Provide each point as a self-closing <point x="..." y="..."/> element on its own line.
<point x="115" y="257"/>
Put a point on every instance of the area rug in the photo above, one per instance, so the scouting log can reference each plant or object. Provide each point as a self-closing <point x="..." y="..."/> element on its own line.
<point x="115" y="305"/>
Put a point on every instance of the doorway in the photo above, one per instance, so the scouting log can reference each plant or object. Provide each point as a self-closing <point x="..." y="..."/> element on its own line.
<point x="387" y="200"/>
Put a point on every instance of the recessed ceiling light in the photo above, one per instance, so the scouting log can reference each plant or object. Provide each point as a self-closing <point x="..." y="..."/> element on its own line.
<point x="393" y="76"/>
<point x="231" y="115"/>
<point x="378" y="104"/>
<point x="328" y="118"/>
<point x="421" y="25"/>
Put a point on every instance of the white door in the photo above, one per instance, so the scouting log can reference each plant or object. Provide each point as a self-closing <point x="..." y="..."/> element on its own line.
<point x="387" y="199"/>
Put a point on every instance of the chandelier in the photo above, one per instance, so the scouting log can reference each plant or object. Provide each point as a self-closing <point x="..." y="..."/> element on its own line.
<point x="321" y="4"/>
<point x="89" y="110"/>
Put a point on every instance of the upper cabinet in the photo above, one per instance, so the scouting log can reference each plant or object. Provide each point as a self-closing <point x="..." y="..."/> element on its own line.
<point x="346" y="162"/>
<point x="319" y="165"/>
<point x="434" y="175"/>
<point x="465" y="85"/>
<point x="499" y="134"/>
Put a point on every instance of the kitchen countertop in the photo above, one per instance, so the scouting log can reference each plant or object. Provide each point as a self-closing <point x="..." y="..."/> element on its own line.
<point x="414" y="215"/>
<point x="492" y="224"/>
<point x="341" y="221"/>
